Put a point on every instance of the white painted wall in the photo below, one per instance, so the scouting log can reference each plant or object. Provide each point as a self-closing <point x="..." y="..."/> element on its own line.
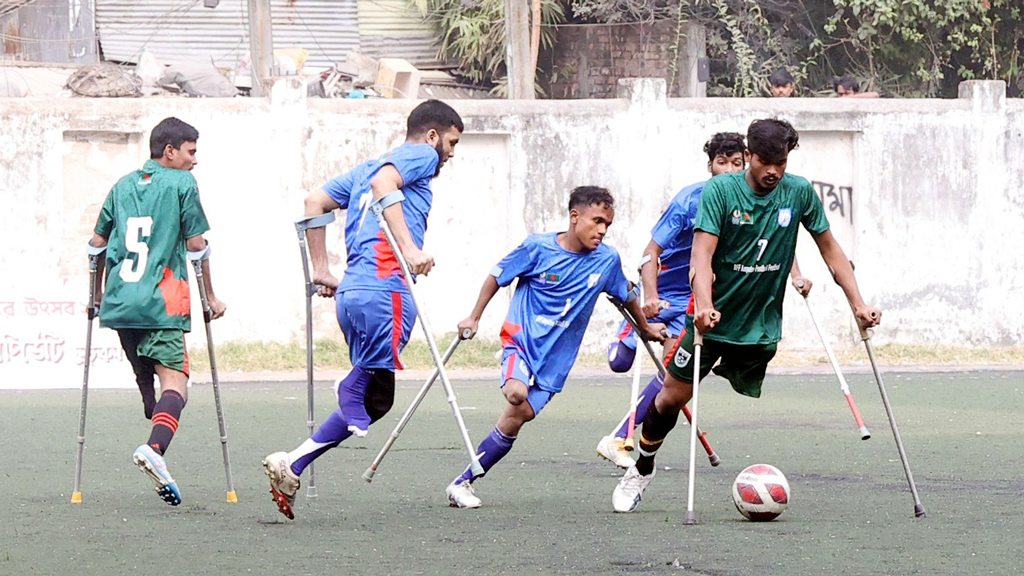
<point x="931" y="208"/>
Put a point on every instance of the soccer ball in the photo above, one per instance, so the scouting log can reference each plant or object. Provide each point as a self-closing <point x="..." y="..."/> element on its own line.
<point x="760" y="492"/>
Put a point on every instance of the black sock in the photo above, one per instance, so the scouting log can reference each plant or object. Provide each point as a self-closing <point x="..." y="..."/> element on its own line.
<point x="656" y="427"/>
<point x="165" y="420"/>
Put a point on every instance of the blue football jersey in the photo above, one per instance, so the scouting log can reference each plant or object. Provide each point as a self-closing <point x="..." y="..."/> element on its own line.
<point x="553" y="302"/>
<point x="371" y="262"/>
<point x="674" y="233"/>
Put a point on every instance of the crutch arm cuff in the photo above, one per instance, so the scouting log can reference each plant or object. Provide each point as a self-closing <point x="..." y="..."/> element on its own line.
<point x="200" y="255"/>
<point x="378" y="207"/>
<point x="94" y="251"/>
<point x="320" y="221"/>
<point x="633" y="294"/>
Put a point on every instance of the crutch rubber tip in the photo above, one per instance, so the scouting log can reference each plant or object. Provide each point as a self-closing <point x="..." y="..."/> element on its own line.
<point x="714" y="459"/>
<point x="232" y="497"/>
<point x="919" y="511"/>
<point x="368" y="475"/>
<point x="864" y="434"/>
<point x="691" y="518"/>
<point x="311" y="493"/>
<point x="76" y="498"/>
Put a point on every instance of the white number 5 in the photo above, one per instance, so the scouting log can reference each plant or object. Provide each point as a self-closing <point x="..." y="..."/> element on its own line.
<point x="137" y="228"/>
<point x="763" y="243"/>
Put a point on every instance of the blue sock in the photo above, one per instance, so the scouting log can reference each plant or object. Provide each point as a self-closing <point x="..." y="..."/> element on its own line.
<point x="491" y="450"/>
<point x="352" y="399"/>
<point x="620" y="356"/>
<point x="653" y="387"/>
<point x="331" y="433"/>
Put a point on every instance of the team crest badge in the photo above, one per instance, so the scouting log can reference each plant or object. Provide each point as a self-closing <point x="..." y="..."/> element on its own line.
<point x="741" y="218"/>
<point x="682" y="357"/>
<point x="592" y="281"/>
<point x="785" y="216"/>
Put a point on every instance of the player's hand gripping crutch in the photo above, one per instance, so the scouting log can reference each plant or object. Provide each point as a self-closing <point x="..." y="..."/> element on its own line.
<point x="698" y="344"/>
<point x="919" y="510"/>
<point x="864" y="434"/>
<point x="474" y="463"/>
<point x="92" y="311"/>
<point x="197" y="259"/>
<point x="713" y="457"/>
<point x="368" y="475"/>
<point x="301" y="225"/>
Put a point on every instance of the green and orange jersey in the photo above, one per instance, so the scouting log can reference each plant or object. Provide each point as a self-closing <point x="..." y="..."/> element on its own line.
<point x="756" y="246"/>
<point x="147" y="218"/>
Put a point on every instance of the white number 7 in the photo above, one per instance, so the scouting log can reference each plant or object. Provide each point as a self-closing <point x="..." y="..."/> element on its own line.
<point x="136" y="228"/>
<point x="763" y="243"/>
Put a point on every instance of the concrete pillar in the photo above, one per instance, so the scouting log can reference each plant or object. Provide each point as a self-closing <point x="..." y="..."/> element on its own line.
<point x="692" y="53"/>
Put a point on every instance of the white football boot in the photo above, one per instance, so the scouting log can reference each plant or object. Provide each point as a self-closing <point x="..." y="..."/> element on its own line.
<point x="630" y="490"/>
<point x="462" y="496"/>
<point x="613" y="448"/>
<point x="284" y="484"/>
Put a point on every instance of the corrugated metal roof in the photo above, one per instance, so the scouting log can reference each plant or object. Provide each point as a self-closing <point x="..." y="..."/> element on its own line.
<point x="389" y="28"/>
<point x="177" y="31"/>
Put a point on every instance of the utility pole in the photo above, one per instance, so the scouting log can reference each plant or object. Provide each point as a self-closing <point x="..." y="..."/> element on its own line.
<point x="517" y="50"/>
<point x="261" y="45"/>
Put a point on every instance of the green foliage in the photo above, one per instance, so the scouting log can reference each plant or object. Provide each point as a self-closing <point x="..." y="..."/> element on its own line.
<point x="472" y="34"/>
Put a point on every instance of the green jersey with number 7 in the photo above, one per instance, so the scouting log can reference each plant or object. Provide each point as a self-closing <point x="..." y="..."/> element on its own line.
<point x="756" y="246"/>
<point x="147" y="217"/>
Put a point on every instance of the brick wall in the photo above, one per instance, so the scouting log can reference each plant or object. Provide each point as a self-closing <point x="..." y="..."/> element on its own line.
<point x="591" y="58"/>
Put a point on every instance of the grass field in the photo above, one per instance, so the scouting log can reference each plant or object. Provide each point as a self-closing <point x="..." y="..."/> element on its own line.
<point x="547" y="506"/>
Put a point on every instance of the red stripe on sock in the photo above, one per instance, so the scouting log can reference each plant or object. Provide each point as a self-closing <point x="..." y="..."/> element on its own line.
<point x="396" y="328"/>
<point x="165" y="419"/>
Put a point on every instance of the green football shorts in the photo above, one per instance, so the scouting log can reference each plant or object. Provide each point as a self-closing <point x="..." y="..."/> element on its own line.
<point x="161" y="346"/>
<point x="742" y="365"/>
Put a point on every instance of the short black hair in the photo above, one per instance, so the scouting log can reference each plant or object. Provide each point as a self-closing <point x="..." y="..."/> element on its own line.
<point x="170" y="131"/>
<point x="848" y="82"/>
<point x="781" y="77"/>
<point x="432" y="114"/>
<point x="771" y="139"/>
<point x="583" y="196"/>
<point x="725" y="143"/>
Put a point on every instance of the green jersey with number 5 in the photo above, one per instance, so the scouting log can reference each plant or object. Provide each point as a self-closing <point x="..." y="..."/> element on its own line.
<point x="756" y="246"/>
<point x="146" y="218"/>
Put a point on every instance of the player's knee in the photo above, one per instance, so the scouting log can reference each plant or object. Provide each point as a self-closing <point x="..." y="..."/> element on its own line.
<point x="515" y="392"/>
<point x="674" y="394"/>
<point x="620" y="357"/>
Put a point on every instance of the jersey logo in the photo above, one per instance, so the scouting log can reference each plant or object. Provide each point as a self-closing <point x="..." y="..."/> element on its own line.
<point x="741" y="218"/>
<point x="550" y="278"/>
<point x="592" y="281"/>
<point x="682" y="358"/>
<point x="785" y="216"/>
<point x="145" y="180"/>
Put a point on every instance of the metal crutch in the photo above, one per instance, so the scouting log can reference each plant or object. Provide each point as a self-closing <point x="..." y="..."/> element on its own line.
<point x="301" y="225"/>
<point x="92" y="312"/>
<point x="197" y="259"/>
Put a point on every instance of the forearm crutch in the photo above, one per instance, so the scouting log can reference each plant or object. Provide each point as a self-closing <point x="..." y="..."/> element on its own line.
<point x="368" y="475"/>
<point x="698" y="343"/>
<point x="474" y="463"/>
<point x="197" y="259"/>
<point x="713" y="457"/>
<point x="861" y="428"/>
<point x="301" y="225"/>
<point x="865" y="336"/>
<point x="92" y="311"/>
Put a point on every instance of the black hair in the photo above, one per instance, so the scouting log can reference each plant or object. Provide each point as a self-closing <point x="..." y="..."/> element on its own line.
<point x="771" y="139"/>
<point x="432" y="114"/>
<point x="583" y="196"/>
<point x="170" y="131"/>
<point x="725" y="143"/>
<point x="848" y="82"/>
<point x="781" y="77"/>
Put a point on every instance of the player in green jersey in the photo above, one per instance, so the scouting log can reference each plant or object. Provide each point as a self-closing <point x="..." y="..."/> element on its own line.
<point x="744" y="244"/>
<point x="148" y="221"/>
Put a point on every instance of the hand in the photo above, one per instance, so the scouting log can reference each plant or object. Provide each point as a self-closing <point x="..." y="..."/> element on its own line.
<point x="867" y="316"/>
<point x="327" y="282"/>
<point x="471" y="324"/>
<point x="706" y="320"/>
<point x="654" y="331"/>
<point x="216" y="306"/>
<point x="419" y="261"/>
<point x="802" y="285"/>
<point x="653" y="306"/>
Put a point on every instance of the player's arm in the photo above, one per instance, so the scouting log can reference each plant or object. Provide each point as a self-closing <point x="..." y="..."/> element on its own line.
<point x="319" y="203"/>
<point x="652" y="303"/>
<point x="99" y="241"/>
<point x="387" y="180"/>
<point x="198" y="244"/>
<point x="472" y="322"/>
<point x="705" y="316"/>
<point x="842" y="271"/>
<point x="802" y="285"/>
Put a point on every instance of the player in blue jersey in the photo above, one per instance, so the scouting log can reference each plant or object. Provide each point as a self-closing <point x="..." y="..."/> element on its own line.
<point x="561" y="275"/>
<point x="665" y="273"/>
<point x="375" y="310"/>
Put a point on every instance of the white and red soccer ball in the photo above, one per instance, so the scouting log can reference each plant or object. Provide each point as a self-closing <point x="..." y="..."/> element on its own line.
<point x="760" y="492"/>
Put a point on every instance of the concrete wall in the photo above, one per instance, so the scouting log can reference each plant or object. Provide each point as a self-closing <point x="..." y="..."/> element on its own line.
<point x="923" y="194"/>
